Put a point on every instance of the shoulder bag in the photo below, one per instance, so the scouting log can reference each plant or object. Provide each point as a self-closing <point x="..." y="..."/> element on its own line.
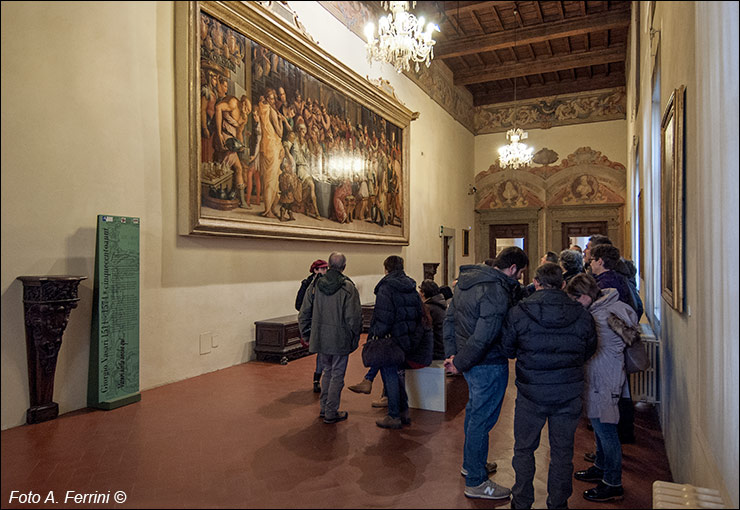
<point x="382" y="352"/>
<point x="635" y="355"/>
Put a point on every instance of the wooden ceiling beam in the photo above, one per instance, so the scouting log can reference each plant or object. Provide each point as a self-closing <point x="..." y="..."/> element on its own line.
<point x="551" y="89"/>
<point x="464" y="7"/>
<point x="544" y="65"/>
<point x="532" y="34"/>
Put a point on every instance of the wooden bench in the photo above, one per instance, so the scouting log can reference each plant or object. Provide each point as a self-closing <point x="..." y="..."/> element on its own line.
<point x="427" y="387"/>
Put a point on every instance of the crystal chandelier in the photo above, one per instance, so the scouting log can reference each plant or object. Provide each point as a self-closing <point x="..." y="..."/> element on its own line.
<point x="401" y="38"/>
<point x="515" y="154"/>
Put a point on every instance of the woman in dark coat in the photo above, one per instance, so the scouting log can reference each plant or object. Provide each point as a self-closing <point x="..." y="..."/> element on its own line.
<point x="397" y="314"/>
<point x="318" y="268"/>
<point x="437" y="305"/>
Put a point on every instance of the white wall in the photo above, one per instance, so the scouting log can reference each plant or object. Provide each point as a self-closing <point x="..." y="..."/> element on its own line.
<point x="88" y="129"/>
<point x="699" y="378"/>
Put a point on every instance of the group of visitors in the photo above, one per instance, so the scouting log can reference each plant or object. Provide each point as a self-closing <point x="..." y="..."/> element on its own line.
<point x="569" y="360"/>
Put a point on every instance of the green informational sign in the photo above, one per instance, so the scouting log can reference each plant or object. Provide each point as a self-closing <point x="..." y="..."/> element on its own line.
<point x="113" y="379"/>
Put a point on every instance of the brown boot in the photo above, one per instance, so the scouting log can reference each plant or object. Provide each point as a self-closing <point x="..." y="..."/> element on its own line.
<point x="381" y="402"/>
<point x="389" y="422"/>
<point x="365" y="386"/>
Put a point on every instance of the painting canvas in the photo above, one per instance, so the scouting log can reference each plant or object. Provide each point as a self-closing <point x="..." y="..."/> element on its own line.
<point x="283" y="140"/>
<point x="672" y="200"/>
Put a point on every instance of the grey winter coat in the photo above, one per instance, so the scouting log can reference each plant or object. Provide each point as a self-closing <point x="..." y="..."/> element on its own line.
<point x="605" y="375"/>
<point x="472" y="325"/>
<point x="331" y="315"/>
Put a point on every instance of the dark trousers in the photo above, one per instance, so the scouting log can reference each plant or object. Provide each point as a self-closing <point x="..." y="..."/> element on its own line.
<point x="626" y="426"/>
<point x="529" y="419"/>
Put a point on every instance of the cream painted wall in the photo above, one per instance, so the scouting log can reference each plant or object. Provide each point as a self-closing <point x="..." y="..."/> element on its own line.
<point x="699" y="351"/>
<point x="88" y="128"/>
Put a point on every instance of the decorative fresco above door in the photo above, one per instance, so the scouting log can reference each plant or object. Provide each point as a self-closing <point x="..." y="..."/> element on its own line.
<point x="585" y="177"/>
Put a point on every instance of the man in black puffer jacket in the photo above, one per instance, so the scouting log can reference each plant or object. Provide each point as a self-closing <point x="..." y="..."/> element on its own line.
<point x="551" y="338"/>
<point x="397" y="314"/>
<point x="472" y="335"/>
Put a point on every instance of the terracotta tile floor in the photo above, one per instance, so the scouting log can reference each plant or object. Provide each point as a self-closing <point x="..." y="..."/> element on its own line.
<point x="249" y="437"/>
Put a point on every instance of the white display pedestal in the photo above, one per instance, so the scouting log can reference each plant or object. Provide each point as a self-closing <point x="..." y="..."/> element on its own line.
<point x="427" y="387"/>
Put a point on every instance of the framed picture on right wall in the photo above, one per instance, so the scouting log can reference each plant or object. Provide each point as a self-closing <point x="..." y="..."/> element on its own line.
<point x="672" y="200"/>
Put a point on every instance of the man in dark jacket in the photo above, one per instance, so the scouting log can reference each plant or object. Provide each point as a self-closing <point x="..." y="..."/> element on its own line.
<point x="437" y="305"/>
<point x="472" y="330"/>
<point x="551" y="339"/>
<point x="331" y="319"/>
<point x="397" y="313"/>
<point x="318" y="268"/>
<point x="625" y="269"/>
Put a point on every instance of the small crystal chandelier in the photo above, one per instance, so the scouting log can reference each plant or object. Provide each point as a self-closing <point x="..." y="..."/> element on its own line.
<point x="515" y="154"/>
<point x="401" y="38"/>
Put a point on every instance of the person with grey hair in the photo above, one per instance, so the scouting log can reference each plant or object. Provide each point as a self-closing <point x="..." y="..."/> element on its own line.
<point x="572" y="263"/>
<point x="331" y="319"/>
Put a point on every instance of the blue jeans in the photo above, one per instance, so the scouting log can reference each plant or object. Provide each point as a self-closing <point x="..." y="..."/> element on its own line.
<point x="608" y="451"/>
<point x="486" y="389"/>
<point x="394" y="380"/>
<point x="371" y="373"/>
<point x="562" y="421"/>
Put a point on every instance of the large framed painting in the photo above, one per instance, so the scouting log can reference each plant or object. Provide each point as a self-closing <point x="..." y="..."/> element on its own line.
<point x="276" y="138"/>
<point x="672" y="200"/>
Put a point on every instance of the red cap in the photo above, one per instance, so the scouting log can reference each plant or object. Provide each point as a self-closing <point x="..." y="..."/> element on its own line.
<point x="318" y="264"/>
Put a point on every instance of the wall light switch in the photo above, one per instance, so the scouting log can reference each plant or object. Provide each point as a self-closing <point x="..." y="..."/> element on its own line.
<point x="214" y="340"/>
<point x="205" y="343"/>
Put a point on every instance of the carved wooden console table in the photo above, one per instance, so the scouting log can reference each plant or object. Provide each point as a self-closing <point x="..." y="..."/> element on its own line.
<point x="47" y="302"/>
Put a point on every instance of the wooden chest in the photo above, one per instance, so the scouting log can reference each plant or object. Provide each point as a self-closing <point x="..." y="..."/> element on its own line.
<point x="278" y="338"/>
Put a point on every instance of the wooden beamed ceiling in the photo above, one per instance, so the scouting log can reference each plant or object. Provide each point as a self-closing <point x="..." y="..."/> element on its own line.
<point x="547" y="48"/>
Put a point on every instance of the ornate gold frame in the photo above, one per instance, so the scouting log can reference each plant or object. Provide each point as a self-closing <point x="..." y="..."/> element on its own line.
<point x="672" y="200"/>
<point x="264" y="26"/>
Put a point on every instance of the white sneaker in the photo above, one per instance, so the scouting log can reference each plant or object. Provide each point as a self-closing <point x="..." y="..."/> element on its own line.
<point x="487" y="490"/>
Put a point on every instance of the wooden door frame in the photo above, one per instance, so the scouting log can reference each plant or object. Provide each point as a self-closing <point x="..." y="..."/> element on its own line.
<point x="565" y="240"/>
<point x="511" y="226"/>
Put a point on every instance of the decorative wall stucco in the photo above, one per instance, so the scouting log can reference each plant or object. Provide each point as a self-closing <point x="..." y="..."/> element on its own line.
<point x="579" y="108"/>
<point x="585" y="177"/>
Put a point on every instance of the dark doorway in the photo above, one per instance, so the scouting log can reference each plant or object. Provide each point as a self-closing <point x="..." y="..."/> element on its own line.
<point x="578" y="232"/>
<point x="446" y="246"/>
<point x="501" y="236"/>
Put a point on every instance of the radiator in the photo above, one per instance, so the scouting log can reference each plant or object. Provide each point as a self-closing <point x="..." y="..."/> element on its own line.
<point x="644" y="385"/>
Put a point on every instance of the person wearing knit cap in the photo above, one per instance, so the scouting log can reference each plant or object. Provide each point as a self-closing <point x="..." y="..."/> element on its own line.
<point x="318" y="269"/>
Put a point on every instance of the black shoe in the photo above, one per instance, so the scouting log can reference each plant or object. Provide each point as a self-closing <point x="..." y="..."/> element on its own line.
<point x="341" y="416"/>
<point x="604" y="492"/>
<point x="590" y="456"/>
<point x="592" y="474"/>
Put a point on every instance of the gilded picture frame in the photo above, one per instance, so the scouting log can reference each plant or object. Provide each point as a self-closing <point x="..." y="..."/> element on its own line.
<point x="672" y="200"/>
<point x="278" y="139"/>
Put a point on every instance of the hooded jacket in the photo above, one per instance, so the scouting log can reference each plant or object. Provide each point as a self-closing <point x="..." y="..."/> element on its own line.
<point x="605" y="373"/>
<point x="472" y="325"/>
<point x="551" y="336"/>
<point x="397" y="309"/>
<point x="331" y="315"/>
